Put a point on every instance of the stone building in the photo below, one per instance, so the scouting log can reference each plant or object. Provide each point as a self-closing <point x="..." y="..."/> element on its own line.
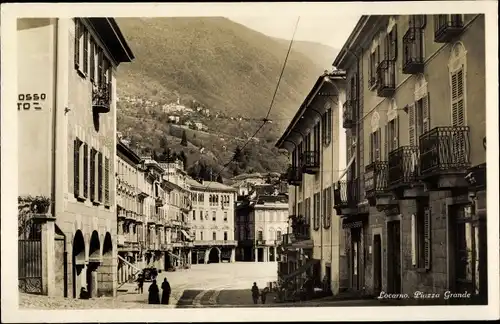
<point x="212" y="219"/>
<point x="261" y="221"/>
<point x="130" y="219"/>
<point x="312" y="138"/>
<point x="178" y="226"/>
<point x="67" y="104"/>
<point x="415" y="123"/>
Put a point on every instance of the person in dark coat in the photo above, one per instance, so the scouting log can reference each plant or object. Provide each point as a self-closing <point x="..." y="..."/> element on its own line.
<point x="263" y="295"/>
<point x="255" y="293"/>
<point x="165" y="295"/>
<point x="140" y="284"/>
<point x="154" y="296"/>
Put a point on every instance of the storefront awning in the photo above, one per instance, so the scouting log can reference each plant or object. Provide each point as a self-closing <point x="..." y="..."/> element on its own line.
<point x="186" y="235"/>
<point x="175" y="256"/>
<point x="301" y="269"/>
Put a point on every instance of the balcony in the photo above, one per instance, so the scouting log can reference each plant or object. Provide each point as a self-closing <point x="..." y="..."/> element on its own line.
<point x="130" y="216"/>
<point x="403" y="167"/>
<point x="386" y="78"/>
<point x="101" y="98"/>
<point x="413" y="51"/>
<point x="300" y="228"/>
<point x="346" y="197"/>
<point x="445" y="157"/>
<point x="216" y="243"/>
<point x="349" y="113"/>
<point x="121" y="213"/>
<point x="159" y="201"/>
<point x="310" y="162"/>
<point x="294" y="176"/>
<point x="376" y="189"/>
<point x="447" y="27"/>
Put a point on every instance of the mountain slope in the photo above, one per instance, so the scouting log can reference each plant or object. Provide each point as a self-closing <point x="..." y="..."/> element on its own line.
<point x="223" y="66"/>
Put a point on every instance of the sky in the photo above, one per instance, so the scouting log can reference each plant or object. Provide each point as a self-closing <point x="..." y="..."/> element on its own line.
<point x="332" y="30"/>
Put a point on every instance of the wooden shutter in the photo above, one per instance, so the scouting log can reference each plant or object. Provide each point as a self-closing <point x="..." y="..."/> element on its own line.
<point x="457" y="98"/>
<point x="85" y="51"/>
<point x="413" y="240"/>
<point x="330" y="126"/>
<point x="411" y="124"/>
<point x="427" y="238"/>
<point x="100" y="66"/>
<point x="85" y="170"/>
<point x="77" y="43"/>
<point x="396" y="133"/>
<point x="99" y="176"/>
<point x="386" y="141"/>
<point x="92" y="59"/>
<point x="426" y="113"/>
<point x="106" y="181"/>
<point x="92" y="174"/>
<point x="394" y="43"/>
<point x="76" y="167"/>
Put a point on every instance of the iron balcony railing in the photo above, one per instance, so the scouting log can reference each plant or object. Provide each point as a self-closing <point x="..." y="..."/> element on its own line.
<point x="413" y="51"/>
<point x="310" y="161"/>
<point x="403" y="166"/>
<point x="293" y="175"/>
<point x="376" y="174"/>
<point x="101" y="97"/>
<point x="444" y="149"/>
<point x="346" y="193"/>
<point x="386" y="78"/>
<point x="300" y="227"/>
<point x="349" y="113"/>
<point x="446" y="27"/>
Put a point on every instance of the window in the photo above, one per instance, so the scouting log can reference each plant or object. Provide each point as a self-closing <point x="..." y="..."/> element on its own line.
<point x="391" y="136"/>
<point x="391" y="45"/>
<point x="194" y="214"/>
<point x="201" y="197"/>
<point x="106" y="182"/>
<point x="93" y="153"/>
<point x="93" y="51"/>
<point x="375" y="146"/>
<point x="201" y="215"/>
<point x="225" y="236"/>
<point x="201" y="236"/>
<point x="278" y="235"/>
<point x="85" y="51"/>
<point x="214" y="236"/>
<point x="316" y="211"/>
<point x="327" y="207"/>
<point x="419" y="122"/>
<point x="317" y="139"/>
<point x="260" y="236"/>
<point x="76" y="166"/>
<point x="457" y="98"/>
<point x="78" y="39"/>
<point x="373" y="67"/>
<point x="225" y="216"/>
<point x="85" y="170"/>
<point x="214" y="216"/>
<point x="420" y="224"/>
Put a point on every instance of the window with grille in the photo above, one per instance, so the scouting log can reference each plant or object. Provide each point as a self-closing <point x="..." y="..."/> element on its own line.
<point x="76" y="166"/>
<point x="375" y="139"/>
<point x="106" y="182"/>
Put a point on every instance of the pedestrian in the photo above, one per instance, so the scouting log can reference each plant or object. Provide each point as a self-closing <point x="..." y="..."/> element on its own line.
<point x="165" y="295"/>
<point x="263" y="295"/>
<point x="154" y="296"/>
<point x="140" y="284"/>
<point x="84" y="293"/>
<point x="255" y="293"/>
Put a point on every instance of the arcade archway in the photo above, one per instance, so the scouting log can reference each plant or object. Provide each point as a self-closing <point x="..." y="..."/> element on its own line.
<point x="105" y="271"/>
<point x="78" y="262"/>
<point x="94" y="263"/>
<point x="214" y="255"/>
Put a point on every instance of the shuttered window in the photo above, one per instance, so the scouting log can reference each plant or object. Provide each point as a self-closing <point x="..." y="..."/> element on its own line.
<point x="100" y="66"/>
<point x="327" y="209"/>
<point x="317" y="139"/>
<point x="316" y="211"/>
<point x="323" y="207"/>
<point x="326" y="129"/>
<point x="106" y="181"/>
<point x="85" y="51"/>
<point x="419" y="119"/>
<point x="391" y="44"/>
<point x="375" y="145"/>
<point x="92" y="173"/>
<point x="391" y="136"/>
<point x="85" y="170"/>
<point x="78" y="35"/>
<point x="92" y="59"/>
<point x="427" y="238"/>
<point x="76" y="167"/>
<point x="421" y="236"/>
<point x="457" y="98"/>
<point x="99" y="176"/>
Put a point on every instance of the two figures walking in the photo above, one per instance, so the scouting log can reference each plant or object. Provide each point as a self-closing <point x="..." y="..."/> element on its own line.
<point x="256" y="293"/>
<point x="154" y="293"/>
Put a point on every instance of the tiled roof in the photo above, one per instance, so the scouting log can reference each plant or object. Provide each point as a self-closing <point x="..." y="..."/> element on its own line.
<point x="208" y="185"/>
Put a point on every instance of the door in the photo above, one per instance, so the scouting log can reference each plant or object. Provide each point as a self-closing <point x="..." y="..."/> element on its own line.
<point x="377" y="264"/>
<point x="355" y="258"/>
<point x="394" y="257"/>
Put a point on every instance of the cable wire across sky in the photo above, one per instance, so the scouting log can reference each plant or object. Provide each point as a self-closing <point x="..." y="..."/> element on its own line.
<point x="265" y="120"/>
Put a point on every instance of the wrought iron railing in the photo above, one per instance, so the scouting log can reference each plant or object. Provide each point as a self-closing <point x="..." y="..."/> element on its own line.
<point x="349" y="113"/>
<point x="101" y="97"/>
<point x="386" y="78"/>
<point x="445" y="149"/>
<point x="403" y="165"/>
<point x="310" y="159"/>
<point x="293" y="175"/>
<point x="413" y="51"/>
<point x="447" y="26"/>
<point x="346" y="193"/>
<point x="376" y="174"/>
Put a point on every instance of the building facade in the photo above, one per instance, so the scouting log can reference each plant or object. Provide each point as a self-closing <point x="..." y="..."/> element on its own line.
<point x="413" y="202"/>
<point x="261" y="221"/>
<point x="312" y="250"/>
<point x="212" y="219"/>
<point x="69" y="108"/>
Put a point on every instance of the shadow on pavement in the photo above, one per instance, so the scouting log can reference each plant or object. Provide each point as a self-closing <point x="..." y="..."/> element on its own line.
<point x="187" y="297"/>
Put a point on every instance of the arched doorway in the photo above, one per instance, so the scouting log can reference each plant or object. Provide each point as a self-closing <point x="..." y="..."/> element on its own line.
<point x="214" y="255"/>
<point x="105" y="271"/>
<point x="78" y="261"/>
<point x="94" y="263"/>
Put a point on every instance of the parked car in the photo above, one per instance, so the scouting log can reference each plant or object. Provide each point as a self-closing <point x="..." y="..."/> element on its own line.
<point x="149" y="273"/>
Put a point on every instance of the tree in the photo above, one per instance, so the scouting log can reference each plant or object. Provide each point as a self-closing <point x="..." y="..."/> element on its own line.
<point x="183" y="158"/>
<point x="184" y="139"/>
<point x="163" y="143"/>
